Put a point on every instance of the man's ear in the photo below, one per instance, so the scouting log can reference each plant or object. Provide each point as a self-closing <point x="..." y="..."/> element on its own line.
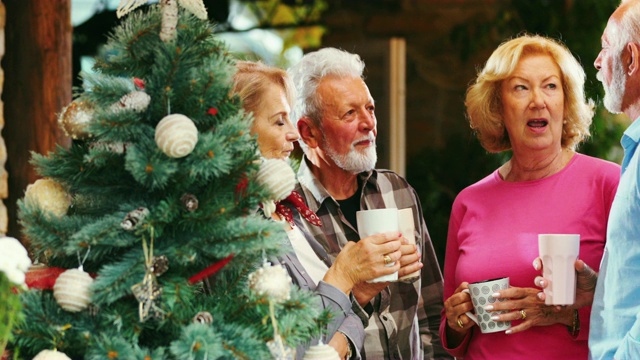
<point x="634" y="58"/>
<point x="309" y="132"/>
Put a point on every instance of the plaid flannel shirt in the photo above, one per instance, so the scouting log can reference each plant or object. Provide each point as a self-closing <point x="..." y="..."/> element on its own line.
<point x="405" y="317"/>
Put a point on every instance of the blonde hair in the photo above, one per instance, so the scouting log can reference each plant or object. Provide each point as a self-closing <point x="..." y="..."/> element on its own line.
<point x="484" y="103"/>
<point x="252" y="79"/>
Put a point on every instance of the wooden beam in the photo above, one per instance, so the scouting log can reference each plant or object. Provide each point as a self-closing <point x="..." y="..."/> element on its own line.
<point x="37" y="67"/>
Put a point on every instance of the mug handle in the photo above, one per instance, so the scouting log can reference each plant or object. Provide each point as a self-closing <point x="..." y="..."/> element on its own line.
<point x="468" y="313"/>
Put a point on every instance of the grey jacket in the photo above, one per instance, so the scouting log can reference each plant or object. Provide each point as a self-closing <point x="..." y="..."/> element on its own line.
<point x="344" y="320"/>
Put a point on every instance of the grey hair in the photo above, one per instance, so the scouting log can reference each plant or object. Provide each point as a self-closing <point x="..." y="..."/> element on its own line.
<point x="308" y="73"/>
<point x="629" y="26"/>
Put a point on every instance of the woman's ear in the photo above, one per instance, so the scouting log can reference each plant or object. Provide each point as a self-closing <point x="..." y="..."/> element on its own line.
<point x="309" y="132"/>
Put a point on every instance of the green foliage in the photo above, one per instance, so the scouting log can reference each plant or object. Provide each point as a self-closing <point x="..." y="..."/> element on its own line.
<point x="118" y="169"/>
<point x="10" y="310"/>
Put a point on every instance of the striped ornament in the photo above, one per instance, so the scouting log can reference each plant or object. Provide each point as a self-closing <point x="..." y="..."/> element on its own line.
<point x="176" y="135"/>
<point x="72" y="290"/>
<point x="278" y="177"/>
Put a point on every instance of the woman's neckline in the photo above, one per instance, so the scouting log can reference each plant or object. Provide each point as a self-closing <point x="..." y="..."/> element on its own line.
<point x="506" y="173"/>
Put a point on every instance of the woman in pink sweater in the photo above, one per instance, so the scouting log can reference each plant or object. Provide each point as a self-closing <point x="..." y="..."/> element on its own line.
<point x="529" y="98"/>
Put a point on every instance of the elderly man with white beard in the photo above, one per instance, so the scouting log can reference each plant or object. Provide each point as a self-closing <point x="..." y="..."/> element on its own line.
<point x="335" y="116"/>
<point x="615" y="316"/>
<point x="614" y="293"/>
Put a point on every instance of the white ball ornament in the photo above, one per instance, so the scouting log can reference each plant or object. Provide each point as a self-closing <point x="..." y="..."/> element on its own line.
<point x="72" y="290"/>
<point x="14" y="260"/>
<point x="321" y="351"/>
<point x="176" y="135"/>
<point x="49" y="196"/>
<point x="277" y="176"/>
<point x="271" y="281"/>
<point x="51" y="355"/>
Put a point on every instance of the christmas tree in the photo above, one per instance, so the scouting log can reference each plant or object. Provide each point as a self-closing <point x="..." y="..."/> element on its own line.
<point x="156" y="196"/>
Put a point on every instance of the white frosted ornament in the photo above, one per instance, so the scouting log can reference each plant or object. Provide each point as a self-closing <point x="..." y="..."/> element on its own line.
<point x="277" y="176"/>
<point x="72" y="290"/>
<point x="176" y="135"/>
<point x="271" y="281"/>
<point x="14" y="260"/>
<point x="49" y="196"/>
<point x="51" y="355"/>
<point x="321" y="351"/>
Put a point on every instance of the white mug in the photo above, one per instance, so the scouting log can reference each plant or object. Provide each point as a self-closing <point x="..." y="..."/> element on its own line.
<point x="407" y="229"/>
<point x="559" y="253"/>
<point x="377" y="221"/>
<point x="480" y="293"/>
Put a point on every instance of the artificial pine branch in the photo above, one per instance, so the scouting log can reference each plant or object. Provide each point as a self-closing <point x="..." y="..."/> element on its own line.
<point x="125" y="191"/>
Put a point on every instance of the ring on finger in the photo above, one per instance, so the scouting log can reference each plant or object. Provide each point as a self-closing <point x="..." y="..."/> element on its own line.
<point x="387" y="260"/>
<point x="460" y="323"/>
<point x="523" y="314"/>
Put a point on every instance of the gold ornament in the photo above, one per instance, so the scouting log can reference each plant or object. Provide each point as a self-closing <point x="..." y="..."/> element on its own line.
<point x="176" y="135"/>
<point x="148" y="291"/>
<point x="72" y="290"/>
<point x="74" y="119"/>
<point x="48" y="195"/>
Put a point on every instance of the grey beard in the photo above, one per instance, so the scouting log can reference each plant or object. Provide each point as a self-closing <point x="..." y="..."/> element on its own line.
<point x="353" y="161"/>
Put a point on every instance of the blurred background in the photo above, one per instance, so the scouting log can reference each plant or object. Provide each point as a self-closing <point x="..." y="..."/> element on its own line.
<point x="420" y="57"/>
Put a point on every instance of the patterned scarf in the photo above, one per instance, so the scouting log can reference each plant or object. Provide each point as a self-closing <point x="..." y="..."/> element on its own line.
<point x="298" y="202"/>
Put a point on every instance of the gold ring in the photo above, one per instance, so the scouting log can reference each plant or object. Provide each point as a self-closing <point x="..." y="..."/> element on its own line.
<point x="523" y="314"/>
<point x="460" y="322"/>
<point x="387" y="260"/>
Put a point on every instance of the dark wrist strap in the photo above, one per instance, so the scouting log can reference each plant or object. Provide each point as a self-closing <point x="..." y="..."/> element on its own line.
<point x="574" y="329"/>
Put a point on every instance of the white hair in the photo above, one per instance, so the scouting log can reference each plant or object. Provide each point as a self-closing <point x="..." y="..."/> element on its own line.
<point x="308" y="73"/>
<point x="628" y="26"/>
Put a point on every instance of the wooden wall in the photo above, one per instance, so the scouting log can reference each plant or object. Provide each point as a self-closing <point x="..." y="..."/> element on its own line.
<point x="37" y="85"/>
